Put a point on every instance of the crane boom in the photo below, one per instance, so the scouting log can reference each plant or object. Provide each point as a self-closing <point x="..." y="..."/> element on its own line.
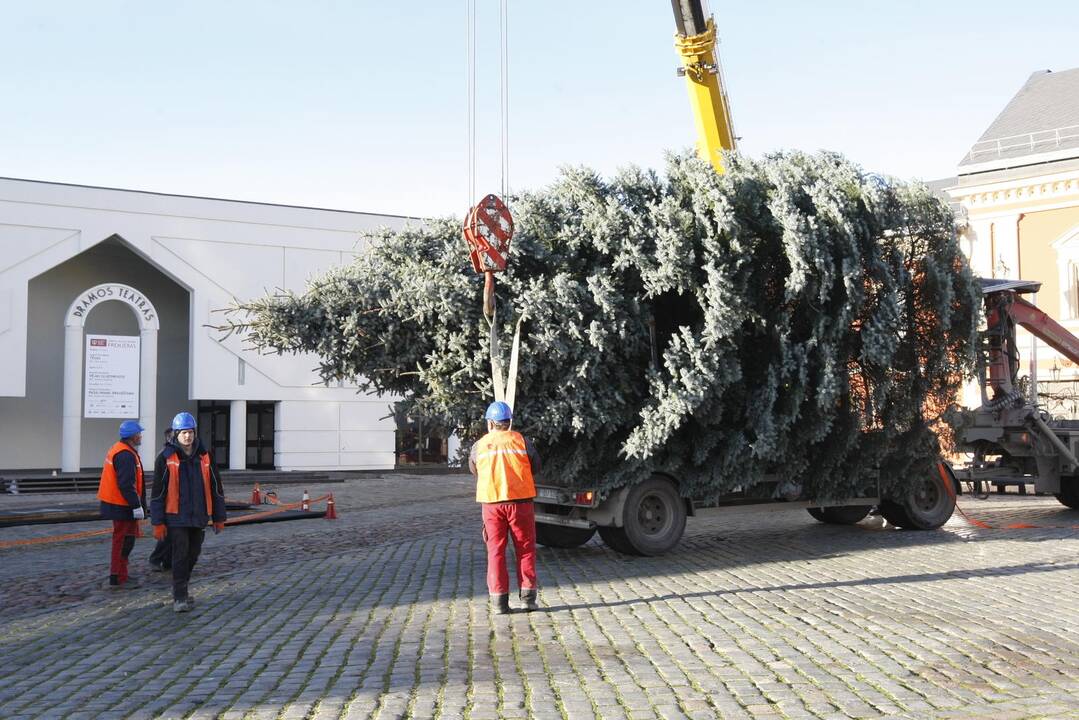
<point x="1004" y="309"/>
<point x="696" y="45"/>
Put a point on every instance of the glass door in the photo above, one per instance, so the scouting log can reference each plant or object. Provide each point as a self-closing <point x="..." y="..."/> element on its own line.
<point x="260" y="435"/>
<point x="213" y="429"/>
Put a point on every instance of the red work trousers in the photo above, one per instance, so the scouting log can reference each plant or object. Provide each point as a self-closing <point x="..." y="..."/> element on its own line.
<point x="124" y="533"/>
<point x="500" y="520"/>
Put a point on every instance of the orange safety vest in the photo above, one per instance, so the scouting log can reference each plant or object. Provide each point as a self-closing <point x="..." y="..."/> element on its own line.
<point x="108" y="490"/>
<point x="172" y="495"/>
<point x="503" y="470"/>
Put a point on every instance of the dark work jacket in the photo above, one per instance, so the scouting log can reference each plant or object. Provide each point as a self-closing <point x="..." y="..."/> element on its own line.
<point x="192" y="499"/>
<point x="124" y="463"/>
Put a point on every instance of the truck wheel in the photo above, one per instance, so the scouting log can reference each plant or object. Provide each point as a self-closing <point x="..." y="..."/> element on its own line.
<point x="1069" y="492"/>
<point x="654" y="517"/>
<point x="840" y="515"/>
<point x="895" y="514"/>
<point x="925" y="506"/>
<point x="615" y="538"/>
<point x="559" y="536"/>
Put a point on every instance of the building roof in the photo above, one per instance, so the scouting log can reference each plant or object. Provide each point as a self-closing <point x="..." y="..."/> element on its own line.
<point x="1040" y="124"/>
<point x="940" y="188"/>
<point x="238" y="203"/>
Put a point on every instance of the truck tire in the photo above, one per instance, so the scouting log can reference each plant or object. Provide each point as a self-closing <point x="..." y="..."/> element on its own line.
<point x="840" y="515"/>
<point x="560" y="536"/>
<point x="1069" y="492"/>
<point x="615" y="538"/>
<point x="895" y="514"/>
<point x="653" y="519"/>
<point x="925" y="506"/>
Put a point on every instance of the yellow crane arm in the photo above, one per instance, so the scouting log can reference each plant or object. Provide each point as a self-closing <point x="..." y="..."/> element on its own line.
<point x="696" y="45"/>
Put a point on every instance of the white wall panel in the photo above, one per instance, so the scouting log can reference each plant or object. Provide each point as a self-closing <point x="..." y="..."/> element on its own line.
<point x="367" y="415"/>
<point x="367" y="440"/>
<point x="5" y="309"/>
<point x="306" y="461"/>
<point x="19" y="243"/>
<point x="302" y="265"/>
<point x="294" y="415"/>
<point x="306" y="441"/>
<point x="245" y="271"/>
<point x="374" y="460"/>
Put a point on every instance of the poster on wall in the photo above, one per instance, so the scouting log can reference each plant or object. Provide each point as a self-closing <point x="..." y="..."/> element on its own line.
<point x="112" y="376"/>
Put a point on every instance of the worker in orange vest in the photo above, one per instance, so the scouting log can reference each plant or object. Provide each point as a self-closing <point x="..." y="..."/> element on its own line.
<point x="187" y="496"/>
<point x="123" y="499"/>
<point x="504" y="462"/>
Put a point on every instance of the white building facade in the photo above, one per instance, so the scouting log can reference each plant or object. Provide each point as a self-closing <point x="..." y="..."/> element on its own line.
<point x="149" y="274"/>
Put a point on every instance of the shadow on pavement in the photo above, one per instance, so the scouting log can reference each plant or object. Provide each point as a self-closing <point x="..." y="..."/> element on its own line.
<point x="1000" y="571"/>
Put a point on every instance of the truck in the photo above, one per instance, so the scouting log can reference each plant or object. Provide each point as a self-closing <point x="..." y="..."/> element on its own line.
<point x="1009" y="438"/>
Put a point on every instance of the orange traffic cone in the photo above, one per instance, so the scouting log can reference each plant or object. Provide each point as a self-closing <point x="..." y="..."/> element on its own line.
<point x="331" y="509"/>
<point x="256" y="496"/>
<point x="306" y="504"/>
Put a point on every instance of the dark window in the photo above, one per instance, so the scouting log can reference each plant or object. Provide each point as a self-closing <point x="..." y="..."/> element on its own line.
<point x="415" y="444"/>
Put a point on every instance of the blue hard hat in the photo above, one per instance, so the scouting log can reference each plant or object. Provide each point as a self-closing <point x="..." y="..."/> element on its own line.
<point x="499" y="412"/>
<point x="129" y="428"/>
<point x="183" y="421"/>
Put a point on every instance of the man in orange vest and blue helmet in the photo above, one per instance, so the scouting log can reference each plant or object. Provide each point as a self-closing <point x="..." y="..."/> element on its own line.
<point x="122" y="499"/>
<point x="504" y="463"/>
<point x="187" y="496"/>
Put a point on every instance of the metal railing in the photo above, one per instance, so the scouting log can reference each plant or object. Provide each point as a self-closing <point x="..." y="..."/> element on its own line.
<point x="1041" y="140"/>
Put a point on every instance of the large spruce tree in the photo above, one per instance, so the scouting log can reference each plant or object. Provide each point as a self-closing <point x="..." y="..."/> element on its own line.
<point x="795" y="317"/>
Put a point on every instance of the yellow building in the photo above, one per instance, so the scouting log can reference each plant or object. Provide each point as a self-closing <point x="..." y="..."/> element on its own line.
<point x="1019" y="185"/>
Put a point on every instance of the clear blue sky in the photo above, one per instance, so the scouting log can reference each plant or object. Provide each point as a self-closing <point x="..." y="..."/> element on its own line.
<point x="361" y="105"/>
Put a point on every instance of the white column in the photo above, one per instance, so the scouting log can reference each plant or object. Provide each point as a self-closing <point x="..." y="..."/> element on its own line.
<point x="71" y="437"/>
<point x="238" y="435"/>
<point x="979" y="235"/>
<point x="148" y="397"/>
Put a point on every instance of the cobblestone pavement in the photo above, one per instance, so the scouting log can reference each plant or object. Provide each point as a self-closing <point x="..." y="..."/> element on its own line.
<point x="384" y="614"/>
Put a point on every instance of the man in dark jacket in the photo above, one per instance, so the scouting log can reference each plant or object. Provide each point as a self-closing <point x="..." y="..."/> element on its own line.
<point x="122" y="499"/>
<point x="187" y="495"/>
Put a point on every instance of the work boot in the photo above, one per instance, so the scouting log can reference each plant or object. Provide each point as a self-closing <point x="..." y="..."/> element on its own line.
<point x="159" y="567"/>
<point x="501" y="603"/>
<point x="180" y="606"/>
<point x="530" y="598"/>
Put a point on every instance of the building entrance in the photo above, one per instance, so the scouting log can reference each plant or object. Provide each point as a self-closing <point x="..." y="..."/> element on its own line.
<point x="260" y="435"/>
<point x="213" y="420"/>
<point x="215" y="431"/>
